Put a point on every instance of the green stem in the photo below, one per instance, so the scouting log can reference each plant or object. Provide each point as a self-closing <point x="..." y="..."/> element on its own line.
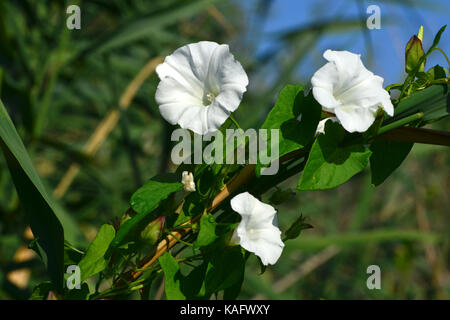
<point x="400" y="122"/>
<point x="441" y="51"/>
<point x="137" y="287"/>
<point x="179" y="240"/>
<point x="182" y="226"/>
<point x="114" y="291"/>
<point x="440" y="81"/>
<point x="235" y="122"/>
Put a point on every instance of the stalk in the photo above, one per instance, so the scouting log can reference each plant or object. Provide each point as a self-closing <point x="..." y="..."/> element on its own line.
<point x="400" y="122"/>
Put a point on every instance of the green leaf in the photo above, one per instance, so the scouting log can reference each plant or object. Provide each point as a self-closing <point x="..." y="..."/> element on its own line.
<point x="39" y="209"/>
<point x="180" y="219"/>
<point x="193" y="285"/>
<point x="232" y="292"/>
<point x="225" y="268"/>
<point x="434" y="102"/>
<point x="207" y="234"/>
<point x="437" y="72"/>
<point x="72" y="232"/>
<point x="145" y="200"/>
<point x="386" y="157"/>
<point x="437" y="38"/>
<point x="423" y="79"/>
<point x="173" y="277"/>
<point x="296" y="116"/>
<point x="158" y="188"/>
<point x="180" y="287"/>
<point x="41" y="291"/>
<point x="96" y="259"/>
<point x="331" y="161"/>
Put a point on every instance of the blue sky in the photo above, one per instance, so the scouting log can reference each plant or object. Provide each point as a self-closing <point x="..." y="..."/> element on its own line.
<point x="388" y="42"/>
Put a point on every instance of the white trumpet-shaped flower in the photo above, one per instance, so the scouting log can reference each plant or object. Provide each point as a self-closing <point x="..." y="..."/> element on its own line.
<point x="201" y="84"/>
<point x="346" y="88"/>
<point x="188" y="180"/>
<point x="258" y="231"/>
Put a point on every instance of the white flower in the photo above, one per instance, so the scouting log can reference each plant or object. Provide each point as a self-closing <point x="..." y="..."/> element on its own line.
<point x="345" y="87"/>
<point x="188" y="180"/>
<point x="257" y="232"/>
<point x="201" y="84"/>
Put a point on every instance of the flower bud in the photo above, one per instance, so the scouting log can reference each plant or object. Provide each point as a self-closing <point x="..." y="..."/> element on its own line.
<point x="151" y="233"/>
<point x="52" y="296"/>
<point x="413" y="52"/>
<point x="297" y="227"/>
<point x="188" y="180"/>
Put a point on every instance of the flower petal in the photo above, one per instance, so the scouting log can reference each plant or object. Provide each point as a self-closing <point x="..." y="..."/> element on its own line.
<point x="176" y="66"/>
<point x="267" y="246"/>
<point x="169" y="90"/>
<point x="172" y="112"/>
<point x="225" y="70"/>
<point x="257" y="213"/>
<point x="189" y="64"/>
<point x="201" y="54"/>
<point x="216" y="116"/>
<point x="367" y="94"/>
<point x="195" y="119"/>
<point x="323" y="81"/>
<point x="230" y="96"/>
<point x="243" y="203"/>
<point x="350" y="69"/>
<point x="355" y="119"/>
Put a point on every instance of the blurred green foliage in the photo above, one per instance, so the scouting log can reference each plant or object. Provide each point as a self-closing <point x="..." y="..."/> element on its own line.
<point x="59" y="84"/>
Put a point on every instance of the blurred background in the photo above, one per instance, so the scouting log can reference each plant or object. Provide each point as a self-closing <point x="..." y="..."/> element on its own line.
<point x="83" y="103"/>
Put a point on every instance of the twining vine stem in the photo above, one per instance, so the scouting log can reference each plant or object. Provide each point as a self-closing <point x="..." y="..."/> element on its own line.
<point x="404" y="134"/>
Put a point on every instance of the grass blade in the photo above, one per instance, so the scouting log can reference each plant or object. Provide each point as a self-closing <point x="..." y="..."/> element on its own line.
<point x="38" y="207"/>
